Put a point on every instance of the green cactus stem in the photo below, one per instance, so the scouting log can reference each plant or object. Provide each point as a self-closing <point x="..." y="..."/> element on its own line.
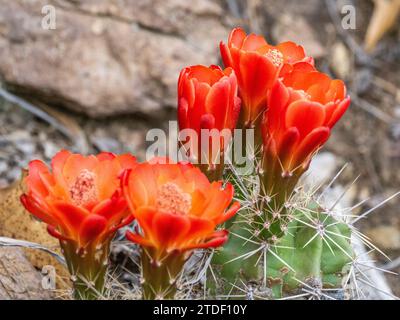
<point x="233" y="261"/>
<point x="314" y="251"/>
<point x="88" y="269"/>
<point x="160" y="275"/>
<point x="276" y="189"/>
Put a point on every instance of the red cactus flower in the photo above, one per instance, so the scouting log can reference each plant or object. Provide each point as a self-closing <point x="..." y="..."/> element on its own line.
<point x="81" y="201"/>
<point x="257" y="65"/>
<point x="177" y="209"/>
<point x="207" y="99"/>
<point x="302" y="109"/>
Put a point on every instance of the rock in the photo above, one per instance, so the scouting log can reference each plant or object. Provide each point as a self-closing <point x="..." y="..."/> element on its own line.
<point x="106" y="56"/>
<point x="18" y="278"/>
<point x="287" y="29"/>
<point x="17" y="223"/>
<point x="124" y="135"/>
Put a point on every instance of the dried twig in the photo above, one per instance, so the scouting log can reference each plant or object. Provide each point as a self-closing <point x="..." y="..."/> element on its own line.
<point x="9" y="242"/>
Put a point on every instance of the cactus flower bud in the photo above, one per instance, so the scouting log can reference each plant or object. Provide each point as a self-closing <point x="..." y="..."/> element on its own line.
<point x="177" y="210"/>
<point x="81" y="202"/>
<point x="207" y="99"/>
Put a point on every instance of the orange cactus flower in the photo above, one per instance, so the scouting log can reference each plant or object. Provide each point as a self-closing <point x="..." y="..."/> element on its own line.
<point x="302" y="109"/>
<point x="177" y="209"/>
<point x="207" y="99"/>
<point x="81" y="201"/>
<point x="257" y="65"/>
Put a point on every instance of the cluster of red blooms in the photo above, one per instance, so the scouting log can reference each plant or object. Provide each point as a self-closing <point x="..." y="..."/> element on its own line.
<point x="291" y="106"/>
<point x="283" y="97"/>
<point x="85" y="199"/>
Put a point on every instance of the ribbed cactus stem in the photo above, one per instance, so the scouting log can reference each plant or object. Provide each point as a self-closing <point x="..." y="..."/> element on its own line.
<point x="88" y="269"/>
<point x="316" y="252"/>
<point x="276" y="189"/>
<point x="160" y="274"/>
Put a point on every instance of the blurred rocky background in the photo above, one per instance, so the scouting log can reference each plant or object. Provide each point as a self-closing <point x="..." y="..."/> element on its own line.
<point x="107" y="73"/>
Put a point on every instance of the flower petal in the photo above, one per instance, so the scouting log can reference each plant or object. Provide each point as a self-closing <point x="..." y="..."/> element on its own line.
<point x="38" y="209"/>
<point x="34" y="181"/>
<point x="216" y="240"/>
<point x="70" y="216"/>
<point x="229" y="213"/>
<point x="338" y="112"/>
<point x="138" y="239"/>
<point x="169" y="229"/>
<point x="286" y="147"/>
<point x="311" y="143"/>
<point x="305" y="116"/>
<point x="92" y="227"/>
<point x="258" y="74"/>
